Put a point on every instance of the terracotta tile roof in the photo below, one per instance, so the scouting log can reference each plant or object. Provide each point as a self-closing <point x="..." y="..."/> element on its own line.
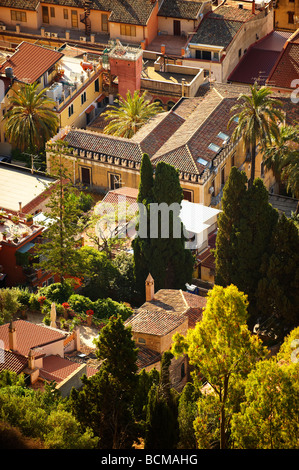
<point x="155" y="322"/>
<point x="220" y="26"/>
<point x="104" y="144"/>
<point x="180" y="9"/>
<point x="135" y="12"/>
<point x="216" y="32"/>
<point x="20" y="4"/>
<point x="286" y="69"/>
<point x="168" y="310"/>
<point x="229" y="12"/>
<point x="200" y="129"/>
<point x="30" y="335"/>
<point x="27" y="54"/>
<point x="57" y="368"/>
<point x="156" y="132"/>
<point x="146" y="357"/>
<point x="13" y="362"/>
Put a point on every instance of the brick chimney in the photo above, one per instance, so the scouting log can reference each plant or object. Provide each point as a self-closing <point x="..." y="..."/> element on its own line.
<point x="149" y="288"/>
<point x="12" y="336"/>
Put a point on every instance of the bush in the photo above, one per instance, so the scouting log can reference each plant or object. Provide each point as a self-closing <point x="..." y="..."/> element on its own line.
<point x="105" y="308"/>
<point x="57" y="292"/>
<point x="34" y="303"/>
<point x="80" y="303"/>
<point x="24" y="297"/>
<point x="9" y="304"/>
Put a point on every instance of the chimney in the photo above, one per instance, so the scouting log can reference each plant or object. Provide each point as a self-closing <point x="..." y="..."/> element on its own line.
<point x="149" y="288"/>
<point x="12" y="336"/>
<point x="31" y="360"/>
<point x="253" y="7"/>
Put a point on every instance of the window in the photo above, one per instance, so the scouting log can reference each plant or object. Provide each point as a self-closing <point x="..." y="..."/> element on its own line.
<point x="127" y="30"/>
<point x="114" y="181"/>
<point x="45" y="13"/>
<point x="85" y="176"/>
<point x="291" y="17"/>
<point x="141" y="340"/>
<point x="223" y="175"/>
<point x="223" y="136"/>
<point x="187" y="195"/>
<point x="18" y="16"/>
<point x="214" y="147"/>
<point x="240" y="53"/>
<point x="216" y="56"/>
<point x="205" y="55"/>
<point x="104" y="22"/>
<point x="52" y="12"/>
<point x="233" y="159"/>
<point x="65" y="14"/>
<point x="83" y="97"/>
<point x="71" y="110"/>
<point x="96" y="85"/>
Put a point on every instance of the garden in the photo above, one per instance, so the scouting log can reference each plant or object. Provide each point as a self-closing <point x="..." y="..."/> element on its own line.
<point x="72" y="309"/>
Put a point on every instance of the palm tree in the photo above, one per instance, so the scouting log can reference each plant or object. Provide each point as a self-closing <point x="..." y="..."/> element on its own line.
<point x="31" y="121"/>
<point x="290" y="173"/>
<point x="282" y="152"/>
<point x="258" y="118"/>
<point x="129" y="115"/>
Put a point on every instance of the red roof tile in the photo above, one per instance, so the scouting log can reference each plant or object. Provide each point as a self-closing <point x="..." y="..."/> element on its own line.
<point x="57" y="368"/>
<point x="27" y="55"/>
<point x="12" y="361"/>
<point x="30" y="335"/>
<point x="286" y="68"/>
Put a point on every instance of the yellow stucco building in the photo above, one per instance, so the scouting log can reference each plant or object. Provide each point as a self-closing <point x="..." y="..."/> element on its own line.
<point x="192" y="136"/>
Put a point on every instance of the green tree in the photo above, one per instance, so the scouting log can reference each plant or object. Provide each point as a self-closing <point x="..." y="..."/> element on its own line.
<point x="282" y="157"/>
<point x="244" y="231"/>
<point x="221" y="348"/>
<point x="105" y="403"/>
<point x="187" y="413"/>
<point x="162" y="254"/>
<point x="97" y="271"/>
<point x="269" y="415"/>
<point x="258" y="116"/>
<point x="31" y="121"/>
<point x="161" y="416"/>
<point x="58" y="253"/>
<point x="130" y="114"/>
<point x="278" y="288"/>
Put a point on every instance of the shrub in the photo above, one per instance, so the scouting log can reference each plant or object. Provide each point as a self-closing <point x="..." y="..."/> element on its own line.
<point x="57" y="292"/>
<point x="24" y="297"/>
<point x="34" y="303"/>
<point x="9" y="304"/>
<point x="80" y="303"/>
<point x="105" y="308"/>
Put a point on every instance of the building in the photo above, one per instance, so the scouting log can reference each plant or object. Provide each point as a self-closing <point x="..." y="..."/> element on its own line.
<point x="283" y="77"/>
<point x="286" y="14"/>
<point x="164" y="313"/>
<point x="39" y="352"/>
<point x="225" y="34"/>
<point x="260" y="58"/>
<point x="192" y="136"/>
<point x="73" y="83"/>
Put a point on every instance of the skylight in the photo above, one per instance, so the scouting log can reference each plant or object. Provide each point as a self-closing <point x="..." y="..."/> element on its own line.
<point x="214" y="147"/>
<point x="223" y="136"/>
<point x="202" y="161"/>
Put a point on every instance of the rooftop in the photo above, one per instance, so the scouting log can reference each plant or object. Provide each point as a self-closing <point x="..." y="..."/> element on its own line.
<point x="25" y="55"/>
<point x="219" y="27"/>
<point x="30" y="336"/>
<point x="20" y="186"/>
<point x="184" y="9"/>
<point x="286" y="68"/>
<point x="260" y="58"/>
<point x="166" y="311"/>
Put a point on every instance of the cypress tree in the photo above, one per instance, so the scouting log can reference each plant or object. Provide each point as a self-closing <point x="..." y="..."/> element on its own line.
<point x="162" y="255"/>
<point x="244" y="231"/>
<point x="278" y="289"/>
<point x="162" y="411"/>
